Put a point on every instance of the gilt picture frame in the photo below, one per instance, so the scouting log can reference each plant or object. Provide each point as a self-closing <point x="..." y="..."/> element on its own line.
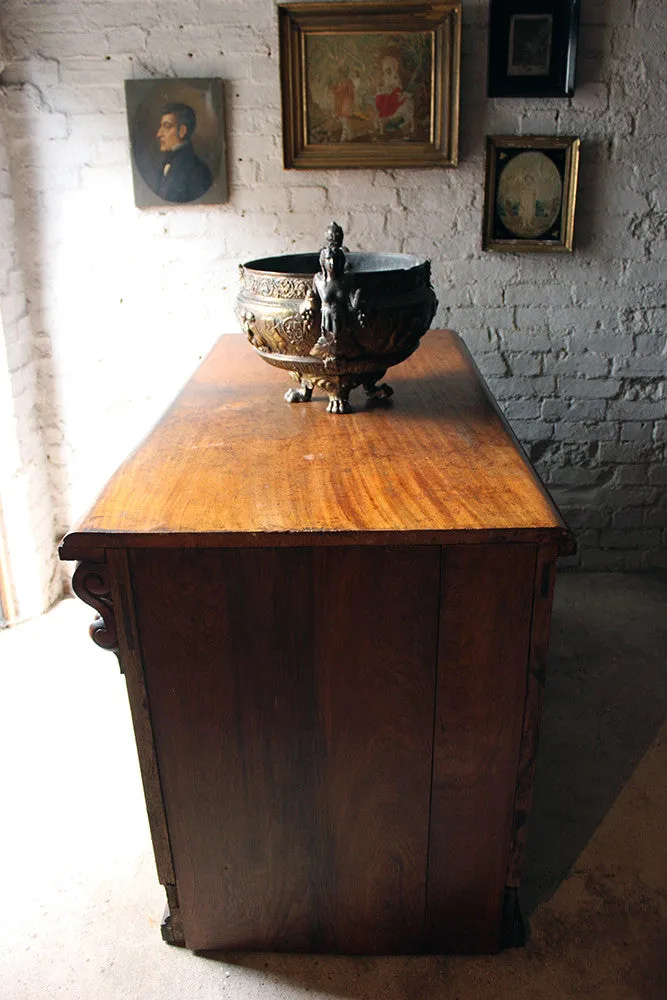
<point x="532" y="48"/>
<point x="370" y="84"/>
<point x="530" y="193"/>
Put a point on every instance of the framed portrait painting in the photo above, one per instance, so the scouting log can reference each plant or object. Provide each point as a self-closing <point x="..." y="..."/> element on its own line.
<point x="532" y="47"/>
<point x="370" y="84"/>
<point x="177" y="141"/>
<point x="531" y="190"/>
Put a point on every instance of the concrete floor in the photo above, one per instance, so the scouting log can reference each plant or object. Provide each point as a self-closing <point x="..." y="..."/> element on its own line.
<point x="80" y="901"/>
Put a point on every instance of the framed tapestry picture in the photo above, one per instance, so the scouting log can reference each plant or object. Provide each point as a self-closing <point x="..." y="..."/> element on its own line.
<point x="531" y="190"/>
<point x="177" y="140"/>
<point x="532" y="47"/>
<point x="370" y="84"/>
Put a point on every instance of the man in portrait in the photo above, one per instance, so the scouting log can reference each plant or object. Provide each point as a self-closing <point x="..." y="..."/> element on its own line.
<point x="182" y="176"/>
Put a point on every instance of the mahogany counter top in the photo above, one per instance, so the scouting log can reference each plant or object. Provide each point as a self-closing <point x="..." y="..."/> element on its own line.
<point x="232" y="464"/>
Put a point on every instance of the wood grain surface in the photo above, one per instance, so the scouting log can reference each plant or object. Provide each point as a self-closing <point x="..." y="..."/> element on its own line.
<point x="485" y="622"/>
<point x="543" y="594"/>
<point x="231" y="463"/>
<point x="291" y="693"/>
<point x="129" y="655"/>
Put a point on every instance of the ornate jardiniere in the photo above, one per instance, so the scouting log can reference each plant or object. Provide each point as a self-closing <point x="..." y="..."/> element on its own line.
<point x="339" y="326"/>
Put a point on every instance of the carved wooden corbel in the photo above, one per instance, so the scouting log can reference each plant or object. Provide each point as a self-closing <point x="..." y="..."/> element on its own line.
<point x="90" y="583"/>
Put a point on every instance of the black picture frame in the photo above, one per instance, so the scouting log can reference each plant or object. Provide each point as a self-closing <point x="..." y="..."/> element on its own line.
<point x="532" y="47"/>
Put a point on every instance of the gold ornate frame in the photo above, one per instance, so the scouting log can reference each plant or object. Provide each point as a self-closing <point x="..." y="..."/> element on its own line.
<point x="559" y="241"/>
<point x="441" y="19"/>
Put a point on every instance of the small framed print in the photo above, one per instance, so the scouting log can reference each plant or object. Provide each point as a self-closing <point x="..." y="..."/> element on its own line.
<point x="374" y="83"/>
<point x="531" y="190"/>
<point x="532" y="47"/>
<point x="177" y="141"/>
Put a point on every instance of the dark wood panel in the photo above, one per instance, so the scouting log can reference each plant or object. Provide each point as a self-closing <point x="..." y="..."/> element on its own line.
<point x="437" y="459"/>
<point x="292" y="697"/>
<point x="129" y="655"/>
<point x="545" y="577"/>
<point x="482" y="664"/>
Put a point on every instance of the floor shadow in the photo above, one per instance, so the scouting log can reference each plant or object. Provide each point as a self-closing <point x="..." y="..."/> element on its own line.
<point x="345" y="977"/>
<point x="605" y="700"/>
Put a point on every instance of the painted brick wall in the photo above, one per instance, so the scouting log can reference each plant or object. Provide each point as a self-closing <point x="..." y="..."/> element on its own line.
<point x="125" y="302"/>
<point x="25" y="490"/>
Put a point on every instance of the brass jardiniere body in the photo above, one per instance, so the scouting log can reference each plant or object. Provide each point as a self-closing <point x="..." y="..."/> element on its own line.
<point x="342" y="326"/>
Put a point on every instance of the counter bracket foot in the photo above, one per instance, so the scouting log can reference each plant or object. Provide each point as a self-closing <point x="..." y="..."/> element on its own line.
<point x="171" y="927"/>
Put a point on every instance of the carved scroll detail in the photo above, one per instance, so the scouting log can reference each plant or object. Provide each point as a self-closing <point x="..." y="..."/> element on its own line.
<point x="90" y="583"/>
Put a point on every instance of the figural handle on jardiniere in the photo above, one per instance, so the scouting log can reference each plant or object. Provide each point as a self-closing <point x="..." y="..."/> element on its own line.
<point x="336" y="301"/>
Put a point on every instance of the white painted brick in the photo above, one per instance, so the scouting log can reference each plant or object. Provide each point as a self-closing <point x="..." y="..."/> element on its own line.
<point x="7" y="215"/>
<point x="86" y="100"/>
<point x="491" y="364"/>
<point x="487" y="294"/>
<point x="633" y="430"/>
<point x="345" y="196"/>
<point x="13" y="307"/>
<point x="633" y="518"/>
<point x="653" y="365"/>
<point x="16" y="283"/>
<point x="478" y="339"/>
<point x="651" y="344"/>
<point x="570" y="476"/>
<point x="198" y="39"/>
<point x="579" y="518"/>
<point x="598" y="342"/>
<point x="646" y="538"/>
<point x="40" y="72"/>
<point x="532" y="430"/>
<point x="44" y="128"/>
<point x="89" y="71"/>
<point x="578" y="409"/>
<point x="308" y="199"/>
<point x="612" y="560"/>
<point x="88" y="128"/>
<point x="631" y="452"/>
<point x="566" y="430"/>
<point x="522" y="386"/>
<point x="126" y="40"/>
<point x="593" y="388"/>
<point x="525" y="364"/>
<point x="526" y="339"/>
<point x="69" y="41"/>
<point x="529" y="294"/>
<point x="231" y="13"/>
<point x="249" y="94"/>
<point x="254" y="121"/>
<point x="594" y="365"/>
<point x="522" y="409"/>
<point x="19" y="354"/>
<point x="633" y="475"/>
<point x="622" y="409"/>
